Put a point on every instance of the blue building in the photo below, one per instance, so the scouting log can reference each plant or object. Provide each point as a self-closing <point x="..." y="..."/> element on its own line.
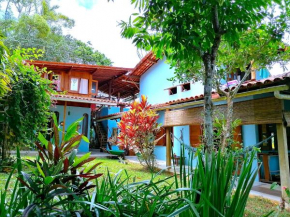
<point x="85" y="91"/>
<point x="261" y="104"/>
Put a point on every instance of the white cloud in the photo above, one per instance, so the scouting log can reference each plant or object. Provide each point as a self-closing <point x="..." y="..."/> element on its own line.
<point x="99" y="26"/>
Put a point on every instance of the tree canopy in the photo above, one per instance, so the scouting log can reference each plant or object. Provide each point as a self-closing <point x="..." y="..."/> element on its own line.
<point x="196" y="36"/>
<point x="25" y="101"/>
<point x="35" y="23"/>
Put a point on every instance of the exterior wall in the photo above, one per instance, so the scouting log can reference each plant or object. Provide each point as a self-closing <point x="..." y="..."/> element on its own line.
<point x="160" y="151"/>
<point x="250" y="135"/>
<point x="73" y="114"/>
<point x="154" y="84"/>
<point x="110" y="124"/>
<point x="65" y="81"/>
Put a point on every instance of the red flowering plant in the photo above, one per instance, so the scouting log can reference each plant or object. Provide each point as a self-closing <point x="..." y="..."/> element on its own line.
<point x="138" y="128"/>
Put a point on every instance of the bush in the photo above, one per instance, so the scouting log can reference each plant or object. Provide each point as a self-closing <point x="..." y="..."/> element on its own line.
<point x="138" y="128"/>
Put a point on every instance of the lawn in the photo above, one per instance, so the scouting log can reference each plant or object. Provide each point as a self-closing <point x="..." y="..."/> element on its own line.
<point x="256" y="206"/>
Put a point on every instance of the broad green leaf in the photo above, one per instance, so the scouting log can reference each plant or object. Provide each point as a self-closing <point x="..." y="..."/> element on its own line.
<point x="72" y="130"/>
<point x="48" y="180"/>
<point x="85" y="139"/>
<point x="81" y="159"/>
<point x="42" y="139"/>
<point x="40" y="170"/>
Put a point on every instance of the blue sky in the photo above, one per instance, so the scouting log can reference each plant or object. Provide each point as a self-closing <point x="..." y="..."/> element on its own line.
<point x="97" y="21"/>
<point x="88" y="4"/>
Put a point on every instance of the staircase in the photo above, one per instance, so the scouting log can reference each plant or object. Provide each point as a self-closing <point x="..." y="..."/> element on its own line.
<point x="101" y="134"/>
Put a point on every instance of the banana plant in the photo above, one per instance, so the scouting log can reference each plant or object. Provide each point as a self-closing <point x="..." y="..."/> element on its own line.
<point x="58" y="177"/>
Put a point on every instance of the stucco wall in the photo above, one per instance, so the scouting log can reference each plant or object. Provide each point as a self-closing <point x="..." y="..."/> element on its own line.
<point x="154" y="82"/>
<point x="110" y="124"/>
<point x="73" y="114"/>
<point x="250" y="135"/>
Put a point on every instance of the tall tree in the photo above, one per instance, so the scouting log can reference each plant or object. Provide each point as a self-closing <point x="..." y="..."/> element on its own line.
<point x="190" y="33"/>
<point x="35" y="23"/>
<point x="24" y="109"/>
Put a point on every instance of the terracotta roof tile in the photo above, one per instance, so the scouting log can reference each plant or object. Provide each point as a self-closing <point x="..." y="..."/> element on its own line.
<point x="92" y="100"/>
<point x="246" y="85"/>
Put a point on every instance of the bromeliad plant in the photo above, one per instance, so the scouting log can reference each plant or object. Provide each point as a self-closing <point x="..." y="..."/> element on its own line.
<point x="138" y="128"/>
<point x="59" y="178"/>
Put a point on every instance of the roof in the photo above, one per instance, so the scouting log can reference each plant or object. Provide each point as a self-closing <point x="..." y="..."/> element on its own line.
<point x="71" y="98"/>
<point x="128" y="84"/>
<point x="247" y="85"/>
<point x="103" y="74"/>
<point x="124" y="81"/>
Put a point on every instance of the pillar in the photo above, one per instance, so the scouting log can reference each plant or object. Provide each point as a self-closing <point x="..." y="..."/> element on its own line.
<point x="283" y="159"/>
<point x="168" y="146"/>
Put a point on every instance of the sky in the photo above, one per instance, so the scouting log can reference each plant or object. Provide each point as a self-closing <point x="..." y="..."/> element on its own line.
<point x="97" y="21"/>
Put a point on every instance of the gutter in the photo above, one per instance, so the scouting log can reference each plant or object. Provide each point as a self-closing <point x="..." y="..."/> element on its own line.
<point x="279" y="95"/>
<point x="239" y="95"/>
<point x="84" y="101"/>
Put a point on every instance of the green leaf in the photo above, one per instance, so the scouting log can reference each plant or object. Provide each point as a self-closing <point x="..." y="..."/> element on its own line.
<point x="72" y="130"/>
<point x="81" y="159"/>
<point x="48" y="180"/>
<point x="40" y="170"/>
<point x="85" y="139"/>
<point x="42" y="139"/>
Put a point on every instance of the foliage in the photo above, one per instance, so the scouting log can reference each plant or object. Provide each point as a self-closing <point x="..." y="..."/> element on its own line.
<point x="191" y="33"/>
<point x="37" y="24"/>
<point x="154" y="197"/>
<point x="219" y="189"/>
<point x="5" y="73"/>
<point x="138" y="128"/>
<point x="26" y="107"/>
<point x="58" y="177"/>
<point x="219" y="126"/>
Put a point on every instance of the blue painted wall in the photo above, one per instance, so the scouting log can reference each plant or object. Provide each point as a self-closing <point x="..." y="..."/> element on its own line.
<point x="72" y="114"/>
<point x="160" y="151"/>
<point x="154" y="82"/>
<point x="110" y="124"/>
<point x="250" y="135"/>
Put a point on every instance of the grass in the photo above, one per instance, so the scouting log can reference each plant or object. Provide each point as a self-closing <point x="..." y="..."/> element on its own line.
<point x="256" y="206"/>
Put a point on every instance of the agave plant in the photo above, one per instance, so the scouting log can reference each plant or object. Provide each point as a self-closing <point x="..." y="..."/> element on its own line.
<point x="58" y="178"/>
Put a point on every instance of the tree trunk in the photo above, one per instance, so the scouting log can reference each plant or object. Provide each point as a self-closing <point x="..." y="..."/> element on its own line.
<point x="4" y="143"/>
<point x="208" y="105"/>
<point x="226" y="134"/>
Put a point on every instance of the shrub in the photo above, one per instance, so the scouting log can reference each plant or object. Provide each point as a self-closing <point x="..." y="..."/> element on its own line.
<point x="58" y="178"/>
<point x="138" y="128"/>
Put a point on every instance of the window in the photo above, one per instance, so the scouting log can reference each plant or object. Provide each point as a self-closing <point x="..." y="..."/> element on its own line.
<point x="56" y="82"/>
<point x="94" y="88"/>
<point x="84" y="86"/>
<point x="85" y="124"/>
<point x="74" y="84"/>
<point x="185" y="87"/>
<point x="173" y="91"/>
<point x="79" y="85"/>
<point x="265" y="131"/>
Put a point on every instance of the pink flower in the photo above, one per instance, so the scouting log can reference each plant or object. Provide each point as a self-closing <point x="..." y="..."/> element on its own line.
<point x="284" y="187"/>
